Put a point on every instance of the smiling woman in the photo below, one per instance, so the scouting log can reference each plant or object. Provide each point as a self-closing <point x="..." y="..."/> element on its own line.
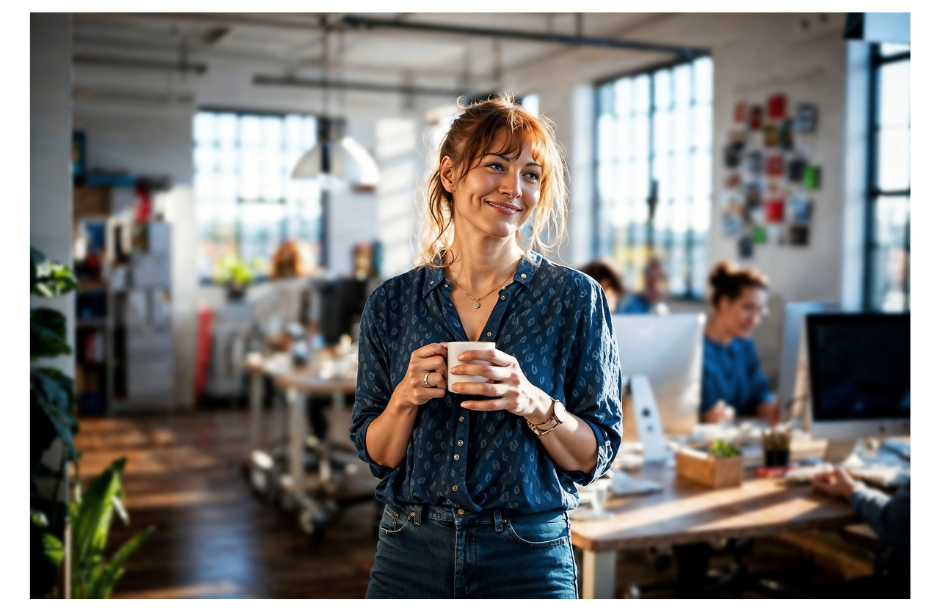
<point x="477" y="480"/>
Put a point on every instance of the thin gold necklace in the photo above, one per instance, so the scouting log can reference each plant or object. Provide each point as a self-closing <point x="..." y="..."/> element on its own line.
<point x="476" y="301"/>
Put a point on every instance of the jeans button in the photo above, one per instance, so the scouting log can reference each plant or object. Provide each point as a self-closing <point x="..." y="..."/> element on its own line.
<point x="460" y="512"/>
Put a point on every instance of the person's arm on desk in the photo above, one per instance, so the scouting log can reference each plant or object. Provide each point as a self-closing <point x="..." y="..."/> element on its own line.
<point x="888" y="516"/>
<point x="718" y="414"/>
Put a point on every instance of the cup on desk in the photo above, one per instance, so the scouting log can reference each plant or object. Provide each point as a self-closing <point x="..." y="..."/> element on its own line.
<point x="454" y="349"/>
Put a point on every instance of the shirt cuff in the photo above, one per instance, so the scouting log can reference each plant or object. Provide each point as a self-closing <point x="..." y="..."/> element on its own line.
<point x="604" y="460"/>
<point x="359" y="440"/>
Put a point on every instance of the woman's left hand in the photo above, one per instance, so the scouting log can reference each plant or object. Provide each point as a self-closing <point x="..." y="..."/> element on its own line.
<point x="508" y="386"/>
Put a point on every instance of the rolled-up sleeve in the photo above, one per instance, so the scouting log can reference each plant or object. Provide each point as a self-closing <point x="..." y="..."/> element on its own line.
<point x="373" y="385"/>
<point x="593" y="381"/>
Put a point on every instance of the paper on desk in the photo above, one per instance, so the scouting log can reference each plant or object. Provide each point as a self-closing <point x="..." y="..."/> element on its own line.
<point x="622" y="484"/>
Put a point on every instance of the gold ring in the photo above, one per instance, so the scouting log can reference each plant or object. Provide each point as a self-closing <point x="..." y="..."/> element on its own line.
<point x="426" y="379"/>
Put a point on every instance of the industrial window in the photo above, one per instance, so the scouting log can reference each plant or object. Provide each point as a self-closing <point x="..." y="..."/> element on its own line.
<point x="246" y="201"/>
<point x="888" y="254"/>
<point x="653" y="173"/>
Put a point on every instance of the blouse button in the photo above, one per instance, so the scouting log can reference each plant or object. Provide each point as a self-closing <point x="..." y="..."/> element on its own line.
<point x="489" y="334"/>
<point x="454" y="488"/>
<point x="502" y="297"/>
<point x="461" y="512"/>
<point x="460" y="443"/>
<point x="461" y="418"/>
<point x="522" y="276"/>
<point x="456" y="457"/>
<point x="432" y="281"/>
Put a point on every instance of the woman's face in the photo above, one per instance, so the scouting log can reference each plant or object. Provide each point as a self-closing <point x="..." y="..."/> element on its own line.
<point x="743" y="314"/>
<point x="497" y="196"/>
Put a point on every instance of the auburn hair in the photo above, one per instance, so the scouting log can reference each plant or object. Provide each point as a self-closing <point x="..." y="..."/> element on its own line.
<point x="471" y="137"/>
<point x="729" y="280"/>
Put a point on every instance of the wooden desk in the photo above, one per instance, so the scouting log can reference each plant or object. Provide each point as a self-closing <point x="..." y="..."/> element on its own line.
<point x="686" y="512"/>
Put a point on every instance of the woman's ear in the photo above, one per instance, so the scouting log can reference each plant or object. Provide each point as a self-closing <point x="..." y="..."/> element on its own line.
<point x="447" y="174"/>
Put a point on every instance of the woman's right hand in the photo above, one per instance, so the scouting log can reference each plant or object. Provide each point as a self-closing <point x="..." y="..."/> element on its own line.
<point x="430" y="360"/>
<point x="718" y="414"/>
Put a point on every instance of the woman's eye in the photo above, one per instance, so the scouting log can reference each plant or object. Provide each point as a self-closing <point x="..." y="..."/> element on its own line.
<point x="495" y="165"/>
<point x="533" y="176"/>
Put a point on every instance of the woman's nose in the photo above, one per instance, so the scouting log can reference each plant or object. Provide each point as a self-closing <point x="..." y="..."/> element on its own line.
<point x="511" y="186"/>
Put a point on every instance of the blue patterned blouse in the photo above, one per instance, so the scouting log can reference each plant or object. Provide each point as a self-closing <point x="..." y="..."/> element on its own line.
<point x="732" y="373"/>
<point x="556" y="322"/>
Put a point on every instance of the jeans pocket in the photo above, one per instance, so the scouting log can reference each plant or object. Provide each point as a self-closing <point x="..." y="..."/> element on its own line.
<point x="534" y="533"/>
<point x="392" y="523"/>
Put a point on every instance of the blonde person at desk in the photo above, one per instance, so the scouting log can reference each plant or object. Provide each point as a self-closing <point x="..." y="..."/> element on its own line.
<point x="732" y="380"/>
<point x="477" y="483"/>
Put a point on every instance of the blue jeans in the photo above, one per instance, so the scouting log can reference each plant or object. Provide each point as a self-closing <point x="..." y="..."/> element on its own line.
<point x="435" y="553"/>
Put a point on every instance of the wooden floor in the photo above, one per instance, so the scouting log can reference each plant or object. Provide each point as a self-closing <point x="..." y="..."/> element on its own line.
<point x="215" y="539"/>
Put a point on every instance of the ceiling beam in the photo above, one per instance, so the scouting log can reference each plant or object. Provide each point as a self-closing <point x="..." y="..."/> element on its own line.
<point x="281" y="81"/>
<point x="543" y="37"/>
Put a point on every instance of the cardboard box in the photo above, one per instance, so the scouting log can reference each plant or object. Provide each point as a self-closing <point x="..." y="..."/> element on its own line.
<point x="706" y="469"/>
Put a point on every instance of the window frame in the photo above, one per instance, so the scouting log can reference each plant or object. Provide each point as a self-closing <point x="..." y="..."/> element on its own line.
<point x="873" y="191"/>
<point x="649" y="233"/>
<point x="320" y="124"/>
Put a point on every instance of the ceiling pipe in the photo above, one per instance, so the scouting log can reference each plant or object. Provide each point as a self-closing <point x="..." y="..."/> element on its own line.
<point x="281" y="81"/>
<point x="145" y="64"/>
<point x="545" y="37"/>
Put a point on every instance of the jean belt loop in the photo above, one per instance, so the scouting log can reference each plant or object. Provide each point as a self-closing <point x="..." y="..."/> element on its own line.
<point x="498" y="520"/>
<point x="416" y="511"/>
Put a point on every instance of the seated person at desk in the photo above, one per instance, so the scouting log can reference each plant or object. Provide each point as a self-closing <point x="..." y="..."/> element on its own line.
<point x="890" y="518"/>
<point x="732" y="379"/>
<point x="280" y="302"/>
<point x="606" y="273"/>
<point x="651" y="299"/>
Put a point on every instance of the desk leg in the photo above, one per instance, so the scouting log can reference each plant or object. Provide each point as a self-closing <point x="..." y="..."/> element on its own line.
<point x="599" y="572"/>
<point x="297" y="433"/>
<point x="256" y="391"/>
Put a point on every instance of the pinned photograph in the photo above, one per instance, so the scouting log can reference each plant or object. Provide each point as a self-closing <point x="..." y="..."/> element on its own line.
<point x="776" y="234"/>
<point x="759" y="235"/>
<point x="733" y="180"/>
<point x="770" y="136"/>
<point x="740" y="112"/>
<point x="755" y="162"/>
<point x="777" y="106"/>
<point x="775" y="165"/>
<point x="795" y="169"/>
<point x="799" y="235"/>
<point x="812" y="176"/>
<point x="785" y="134"/>
<point x="753" y="194"/>
<point x="773" y="210"/>
<point x="732" y="220"/>
<point x="805" y="119"/>
<point x="798" y="209"/>
<point x="756" y="118"/>
<point x="745" y="246"/>
<point x="733" y="153"/>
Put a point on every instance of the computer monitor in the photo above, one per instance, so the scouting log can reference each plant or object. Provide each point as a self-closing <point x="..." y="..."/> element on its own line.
<point x="860" y="374"/>
<point x="668" y="350"/>
<point x="342" y="302"/>
<point x="793" y="386"/>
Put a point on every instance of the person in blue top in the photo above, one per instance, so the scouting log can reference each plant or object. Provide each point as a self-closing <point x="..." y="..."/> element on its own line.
<point x="732" y="380"/>
<point x="606" y="273"/>
<point x="650" y="300"/>
<point x="476" y="482"/>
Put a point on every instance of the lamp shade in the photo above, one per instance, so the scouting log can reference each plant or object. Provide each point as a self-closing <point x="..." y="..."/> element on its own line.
<point x="349" y="162"/>
<point x="310" y="165"/>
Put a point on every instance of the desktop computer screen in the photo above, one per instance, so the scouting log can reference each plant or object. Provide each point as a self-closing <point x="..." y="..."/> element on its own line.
<point x="792" y="388"/>
<point x="342" y="301"/>
<point x="667" y="350"/>
<point x="860" y="374"/>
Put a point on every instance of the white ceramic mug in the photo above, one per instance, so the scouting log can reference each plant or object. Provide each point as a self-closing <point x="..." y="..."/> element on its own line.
<point x="454" y="349"/>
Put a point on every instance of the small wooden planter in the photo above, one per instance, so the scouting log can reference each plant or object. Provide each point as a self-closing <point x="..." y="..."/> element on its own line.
<point x="717" y="473"/>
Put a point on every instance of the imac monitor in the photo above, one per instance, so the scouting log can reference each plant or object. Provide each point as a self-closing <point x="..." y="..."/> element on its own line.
<point x="342" y="303"/>
<point x="792" y="387"/>
<point x="668" y="351"/>
<point x="860" y="374"/>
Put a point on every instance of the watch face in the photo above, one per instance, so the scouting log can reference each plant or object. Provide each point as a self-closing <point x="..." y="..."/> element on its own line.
<point x="560" y="412"/>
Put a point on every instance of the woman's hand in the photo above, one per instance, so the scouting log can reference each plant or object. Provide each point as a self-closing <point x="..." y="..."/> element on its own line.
<point x="836" y="483"/>
<point x="508" y="386"/>
<point x="426" y="361"/>
<point x="718" y="414"/>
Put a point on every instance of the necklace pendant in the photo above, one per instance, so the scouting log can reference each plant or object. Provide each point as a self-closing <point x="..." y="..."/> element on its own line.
<point x="476" y="305"/>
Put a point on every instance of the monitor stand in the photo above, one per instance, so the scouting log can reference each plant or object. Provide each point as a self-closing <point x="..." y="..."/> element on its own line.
<point x="648" y="426"/>
<point x="839" y="450"/>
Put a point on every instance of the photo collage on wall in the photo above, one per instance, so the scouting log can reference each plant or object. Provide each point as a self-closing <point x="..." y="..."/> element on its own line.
<point x="769" y="175"/>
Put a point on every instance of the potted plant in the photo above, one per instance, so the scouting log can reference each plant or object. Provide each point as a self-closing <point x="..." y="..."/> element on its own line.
<point x="722" y="466"/>
<point x="235" y="274"/>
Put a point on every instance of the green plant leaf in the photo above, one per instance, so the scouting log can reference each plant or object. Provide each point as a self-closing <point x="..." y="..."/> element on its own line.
<point x="47" y="278"/>
<point x="104" y="584"/>
<point x="52" y="393"/>
<point x="47" y="334"/>
<point x="90" y="528"/>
